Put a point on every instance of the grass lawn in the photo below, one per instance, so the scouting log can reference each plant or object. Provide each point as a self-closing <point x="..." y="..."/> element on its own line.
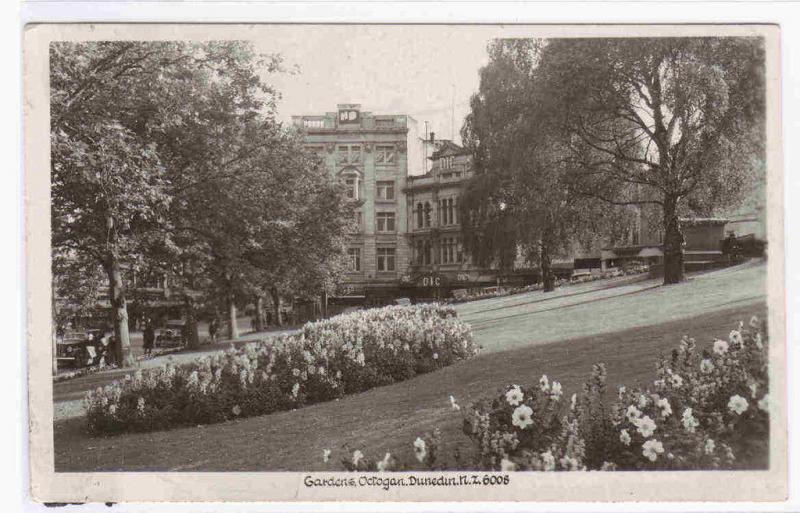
<point x="389" y="418"/>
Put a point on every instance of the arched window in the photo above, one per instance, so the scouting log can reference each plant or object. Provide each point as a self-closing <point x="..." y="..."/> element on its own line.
<point x="427" y="214"/>
<point x="419" y="215"/>
<point x="351" y="179"/>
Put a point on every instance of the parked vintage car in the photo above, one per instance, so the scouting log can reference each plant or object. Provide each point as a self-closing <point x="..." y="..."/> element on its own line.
<point x="173" y="334"/>
<point x="77" y="349"/>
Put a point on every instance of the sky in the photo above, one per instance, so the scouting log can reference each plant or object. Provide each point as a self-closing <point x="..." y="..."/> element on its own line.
<point x="427" y="72"/>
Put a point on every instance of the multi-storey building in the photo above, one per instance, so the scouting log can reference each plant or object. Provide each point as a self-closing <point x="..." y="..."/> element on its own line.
<point x="439" y="263"/>
<point x="372" y="155"/>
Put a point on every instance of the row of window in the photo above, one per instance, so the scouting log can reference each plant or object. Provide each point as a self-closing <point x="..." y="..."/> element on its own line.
<point x="450" y="252"/>
<point x="384" y="190"/>
<point x="351" y="154"/>
<point x="447" y="213"/>
<point x="385" y="259"/>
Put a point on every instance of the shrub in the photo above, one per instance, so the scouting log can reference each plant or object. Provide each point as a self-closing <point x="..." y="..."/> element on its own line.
<point x="326" y="360"/>
<point x="707" y="409"/>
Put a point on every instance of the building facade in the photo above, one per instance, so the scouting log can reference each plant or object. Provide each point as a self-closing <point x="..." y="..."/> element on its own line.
<point x="372" y="155"/>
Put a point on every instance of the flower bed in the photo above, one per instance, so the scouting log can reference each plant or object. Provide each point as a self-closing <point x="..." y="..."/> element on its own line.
<point x="707" y="409"/>
<point x="326" y="360"/>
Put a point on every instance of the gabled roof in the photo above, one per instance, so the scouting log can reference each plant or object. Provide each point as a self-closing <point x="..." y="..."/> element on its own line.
<point x="448" y="148"/>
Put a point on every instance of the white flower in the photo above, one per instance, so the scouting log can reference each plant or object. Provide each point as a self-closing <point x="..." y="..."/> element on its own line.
<point x="624" y="437"/>
<point x="514" y="395"/>
<point x="236" y="410"/>
<point x="706" y="366"/>
<point x="357" y="457"/>
<point x="140" y="404"/>
<point x="544" y="384"/>
<point x="295" y="390"/>
<point x="556" y="391"/>
<point x="763" y="403"/>
<point x="112" y="409"/>
<point x="735" y="337"/>
<point x="326" y="455"/>
<point x="754" y="322"/>
<point x="666" y="409"/>
<point x="737" y="404"/>
<point x="676" y="380"/>
<point x="651" y="449"/>
<point x="549" y="461"/>
<point x="420" y="450"/>
<point x="632" y="413"/>
<point x="507" y="465"/>
<point x="645" y="425"/>
<point x="642" y="401"/>
<point x="709" y="447"/>
<point x="753" y="390"/>
<point x="522" y="416"/>
<point x="759" y="342"/>
<point x="383" y="465"/>
<point x="453" y="404"/>
<point x="720" y="347"/>
<point x="573" y="401"/>
<point x="689" y="422"/>
<point x="435" y="356"/>
<point x="621" y="392"/>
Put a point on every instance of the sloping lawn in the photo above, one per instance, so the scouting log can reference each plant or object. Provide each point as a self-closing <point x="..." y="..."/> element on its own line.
<point x="387" y="418"/>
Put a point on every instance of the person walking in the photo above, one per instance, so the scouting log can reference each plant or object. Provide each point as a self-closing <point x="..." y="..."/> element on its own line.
<point x="212" y="330"/>
<point x="149" y="336"/>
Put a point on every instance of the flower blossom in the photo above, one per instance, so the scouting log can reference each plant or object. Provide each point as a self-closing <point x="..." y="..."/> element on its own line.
<point x="736" y="338"/>
<point x="514" y="395"/>
<point x="651" y="449"/>
<point x="666" y="409"/>
<point x="621" y="392"/>
<point x="763" y="403"/>
<point x="706" y="366"/>
<point x="632" y="413"/>
<point x="709" y="446"/>
<point x="384" y="464"/>
<point x="753" y="390"/>
<point x="556" y="391"/>
<point x="357" y="457"/>
<point x="689" y="421"/>
<point x="326" y="455"/>
<point x="549" y="461"/>
<point x="453" y="404"/>
<point x="645" y="425"/>
<point x="295" y="390"/>
<point x="720" y="347"/>
<point x="737" y="404"/>
<point x="624" y="437"/>
<point x="507" y="465"/>
<point x="420" y="450"/>
<point x="544" y="384"/>
<point x="236" y="410"/>
<point x="573" y="401"/>
<point x="522" y="416"/>
<point x="112" y="409"/>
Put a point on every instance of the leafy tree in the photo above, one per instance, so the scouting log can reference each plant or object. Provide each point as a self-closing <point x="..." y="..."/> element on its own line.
<point x="519" y="199"/>
<point x="134" y="127"/>
<point x="672" y="122"/>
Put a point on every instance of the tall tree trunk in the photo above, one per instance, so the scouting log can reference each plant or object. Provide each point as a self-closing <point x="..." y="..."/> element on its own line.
<point x="673" y="242"/>
<point x="548" y="282"/>
<point x="192" y="336"/>
<point x="119" y="311"/>
<point x="259" y="324"/>
<point x="233" y="327"/>
<point x="276" y="305"/>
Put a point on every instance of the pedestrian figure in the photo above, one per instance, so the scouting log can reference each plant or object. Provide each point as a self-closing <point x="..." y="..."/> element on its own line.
<point x="149" y="336"/>
<point x="212" y="330"/>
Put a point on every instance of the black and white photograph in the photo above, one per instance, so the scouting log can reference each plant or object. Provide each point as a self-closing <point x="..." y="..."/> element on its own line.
<point x="396" y="261"/>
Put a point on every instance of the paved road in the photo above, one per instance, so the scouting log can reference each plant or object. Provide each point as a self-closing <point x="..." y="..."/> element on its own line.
<point x="594" y="309"/>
